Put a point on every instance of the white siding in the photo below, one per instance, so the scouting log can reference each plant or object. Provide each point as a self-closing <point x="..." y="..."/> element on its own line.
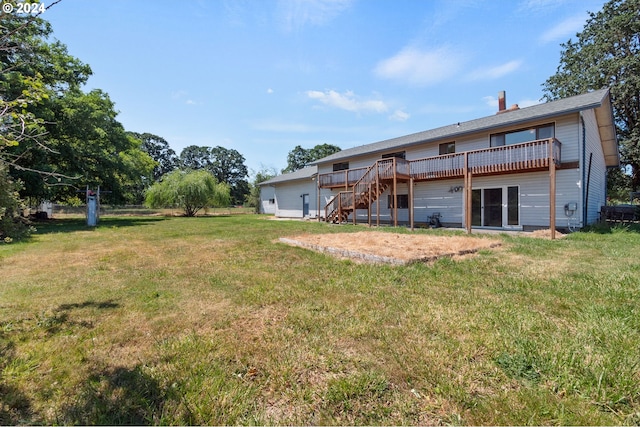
<point x="289" y="198"/>
<point x="267" y="193"/>
<point x="596" y="180"/>
<point x="534" y="194"/>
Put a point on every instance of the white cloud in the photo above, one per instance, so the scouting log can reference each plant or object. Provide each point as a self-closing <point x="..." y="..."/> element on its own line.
<point x="528" y="102"/>
<point x="417" y="67"/>
<point x="565" y="29"/>
<point x="494" y="72"/>
<point x="183" y="96"/>
<point x="491" y="101"/>
<point x="178" y="94"/>
<point x="296" y="14"/>
<point x="347" y="101"/>
<point x="399" y="116"/>
<point x="269" y="91"/>
<point x="539" y="5"/>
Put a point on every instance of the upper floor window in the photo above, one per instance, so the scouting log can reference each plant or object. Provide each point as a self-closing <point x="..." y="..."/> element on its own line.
<point x="398" y="154"/>
<point x="523" y="135"/>
<point x="447" y="148"/>
<point x="340" y="166"/>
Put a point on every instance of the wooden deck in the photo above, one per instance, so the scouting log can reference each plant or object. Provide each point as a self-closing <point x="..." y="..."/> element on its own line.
<point x="363" y="186"/>
<point x="525" y="157"/>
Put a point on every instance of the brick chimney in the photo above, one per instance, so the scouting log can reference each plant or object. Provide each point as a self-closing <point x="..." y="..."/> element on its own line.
<point x="502" y="101"/>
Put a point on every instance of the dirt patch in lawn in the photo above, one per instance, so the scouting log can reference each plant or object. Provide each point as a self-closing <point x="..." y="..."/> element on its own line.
<point x="391" y="248"/>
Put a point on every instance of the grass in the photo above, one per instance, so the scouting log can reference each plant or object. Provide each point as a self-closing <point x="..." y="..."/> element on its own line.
<point x="151" y="320"/>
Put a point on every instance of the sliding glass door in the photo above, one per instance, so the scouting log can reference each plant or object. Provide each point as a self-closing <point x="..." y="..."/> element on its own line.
<point x="495" y="207"/>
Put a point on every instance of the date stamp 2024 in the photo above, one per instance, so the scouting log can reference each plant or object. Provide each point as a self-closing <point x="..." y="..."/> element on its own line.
<point x="24" y="8"/>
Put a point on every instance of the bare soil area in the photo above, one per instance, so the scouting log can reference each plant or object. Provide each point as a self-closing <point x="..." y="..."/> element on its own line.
<point x="393" y="248"/>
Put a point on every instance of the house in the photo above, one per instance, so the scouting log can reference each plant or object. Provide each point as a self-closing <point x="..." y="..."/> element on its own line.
<point x="293" y="195"/>
<point x="542" y="166"/>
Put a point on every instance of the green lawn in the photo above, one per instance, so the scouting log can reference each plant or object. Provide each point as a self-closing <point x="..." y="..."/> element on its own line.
<point x="149" y="320"/>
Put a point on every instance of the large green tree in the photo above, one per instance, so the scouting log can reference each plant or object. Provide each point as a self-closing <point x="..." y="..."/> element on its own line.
<point x="57" y="138"/>
<point x="227" y="165"/>
<point x="190" y="190"/>
<point x="299" y="157"/>
<point x="606" y="53"/>
<point x="160" y="151"/>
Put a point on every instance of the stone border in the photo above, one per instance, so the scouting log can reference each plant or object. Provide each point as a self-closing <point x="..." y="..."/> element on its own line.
<point x="377" y="259"/>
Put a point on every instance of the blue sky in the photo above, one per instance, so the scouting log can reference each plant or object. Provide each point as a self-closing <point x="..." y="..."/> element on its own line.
<point x="262" y="76"/>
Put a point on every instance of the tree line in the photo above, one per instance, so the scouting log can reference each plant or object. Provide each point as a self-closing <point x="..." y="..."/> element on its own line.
<point x="56" y="139"/>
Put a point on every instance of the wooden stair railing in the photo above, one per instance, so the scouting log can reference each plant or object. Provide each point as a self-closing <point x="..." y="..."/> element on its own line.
<point x="344" y="203"/>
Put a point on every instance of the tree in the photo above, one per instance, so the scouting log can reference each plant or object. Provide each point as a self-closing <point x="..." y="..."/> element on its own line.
<point x="84" y="140"/>
<point x="30" y="70"/>
<point x="189" y="190"/>
<point x="299" y="157"/>
<point x="56" y="138"/>
<point x="194" y="157"/>
<point x="607" y="54"/>
<point x="227" y="165"/>
<point x="160" y="151"/>
<point x="12" y="225"/>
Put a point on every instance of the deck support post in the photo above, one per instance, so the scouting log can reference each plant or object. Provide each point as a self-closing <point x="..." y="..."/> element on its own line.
<point x="467" y="194"/>
<point x="354" y="204"/>
<point x="395" y="193"/>
<point x="378" y="193"/>
<point x="411" y="202"/>
<point x="318" y="206"/>
<point x="369" y="205"/>
<point x="552" y="192"/>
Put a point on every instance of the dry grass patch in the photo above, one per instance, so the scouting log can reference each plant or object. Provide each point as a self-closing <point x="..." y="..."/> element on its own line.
<point x="392" y="248"/>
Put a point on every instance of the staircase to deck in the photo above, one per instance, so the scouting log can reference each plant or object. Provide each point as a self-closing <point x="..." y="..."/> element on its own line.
<point x="374" y="182"/>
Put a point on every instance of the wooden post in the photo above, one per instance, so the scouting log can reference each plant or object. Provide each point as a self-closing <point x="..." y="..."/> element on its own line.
<point x="552" y="193"/>
<point x="395" y="194"/>
<point x="378" y="193"/>
<point x="467" y="194"/>
<point x="318" y="206"/>
<point x="354" y="205"/>
<point x="346" y="180"/>
<point x="369" y="204"/>
<point x="411" y="202"/>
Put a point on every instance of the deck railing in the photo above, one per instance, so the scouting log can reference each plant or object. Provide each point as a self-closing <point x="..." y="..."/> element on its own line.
<point x="445" y="166"/>
<point x="344" y="178"/>
<point x="507" y="158"/>
<point x="340" y="201"/>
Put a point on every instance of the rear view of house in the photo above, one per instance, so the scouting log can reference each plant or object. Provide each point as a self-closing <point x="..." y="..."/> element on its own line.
<point x="542" y="166"/>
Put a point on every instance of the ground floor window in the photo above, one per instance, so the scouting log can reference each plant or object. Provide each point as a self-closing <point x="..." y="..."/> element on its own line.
<point x="403" y="201"/>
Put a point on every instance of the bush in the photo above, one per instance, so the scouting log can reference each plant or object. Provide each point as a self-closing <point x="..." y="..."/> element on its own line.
<point x="12" y="225"/>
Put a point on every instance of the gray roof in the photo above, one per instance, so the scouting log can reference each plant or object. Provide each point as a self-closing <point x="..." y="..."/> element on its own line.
<point x="304" y="173"/>
<point x="572" y="104"/>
